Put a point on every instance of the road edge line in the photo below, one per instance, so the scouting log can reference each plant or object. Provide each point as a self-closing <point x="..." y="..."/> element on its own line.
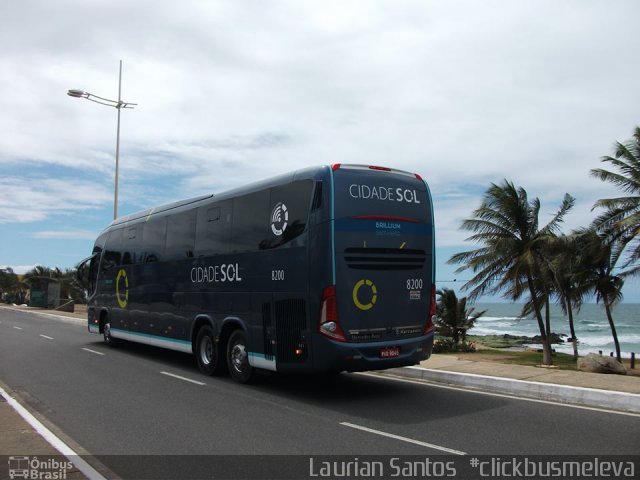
<point x="51" y="438"/>
<point x="63" y="318"/>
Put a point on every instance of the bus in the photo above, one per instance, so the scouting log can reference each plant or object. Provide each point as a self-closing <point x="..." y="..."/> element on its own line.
<point x="325" y="269"/>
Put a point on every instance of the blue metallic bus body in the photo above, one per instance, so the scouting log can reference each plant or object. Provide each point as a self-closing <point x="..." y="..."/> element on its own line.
<point x="154" y="287"/>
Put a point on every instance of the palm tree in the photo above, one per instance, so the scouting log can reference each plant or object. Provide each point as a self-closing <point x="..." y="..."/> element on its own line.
<point x="565" y="262"/>
<point x="40" y="271"/>
<point x="622" y="215"/>
<point x="601" y="256"/>
<point x="454" y="319"/>
<point x="509" y="260"/>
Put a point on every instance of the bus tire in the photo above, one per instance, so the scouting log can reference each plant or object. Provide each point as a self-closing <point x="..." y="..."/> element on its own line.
<point x="207" y="352"/>
<point x="238" y="357"/>
<point x="106" y="333"/>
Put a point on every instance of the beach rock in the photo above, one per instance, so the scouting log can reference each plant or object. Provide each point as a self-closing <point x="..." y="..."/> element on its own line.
<point x="598" y="364"/>
<point x="553" y="337"/>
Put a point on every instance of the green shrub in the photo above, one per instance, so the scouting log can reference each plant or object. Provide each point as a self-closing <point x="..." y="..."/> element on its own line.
<point x="442" y="345"/>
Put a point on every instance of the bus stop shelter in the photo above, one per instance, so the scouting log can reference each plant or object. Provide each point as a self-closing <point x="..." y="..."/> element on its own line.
<point x="44" y="292"/>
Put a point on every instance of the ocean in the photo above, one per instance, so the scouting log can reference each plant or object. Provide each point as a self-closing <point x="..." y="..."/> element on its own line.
<point x="590" y="323"/>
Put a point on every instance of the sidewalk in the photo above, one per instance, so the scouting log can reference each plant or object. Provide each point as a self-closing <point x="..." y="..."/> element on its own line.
<point x="618" y="383"/>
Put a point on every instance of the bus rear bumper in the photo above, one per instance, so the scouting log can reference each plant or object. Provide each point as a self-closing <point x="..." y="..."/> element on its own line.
<point x="357" y="357"/>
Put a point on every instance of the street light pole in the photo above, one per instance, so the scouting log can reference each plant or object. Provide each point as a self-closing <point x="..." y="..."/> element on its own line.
<point x="118" y="105"/>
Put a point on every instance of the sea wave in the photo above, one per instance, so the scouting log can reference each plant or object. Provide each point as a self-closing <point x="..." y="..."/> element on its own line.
<point x="496" y="319"/>
<point x="516" y="333"/>
<point x="568" y="348"/>
<point x="591" y="326"/>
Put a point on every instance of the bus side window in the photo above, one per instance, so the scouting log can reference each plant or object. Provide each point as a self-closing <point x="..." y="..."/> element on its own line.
<point x="93" y="269"/>
<point x="112" y="254"/>
<point x="181" y="235"/>
<point x="289" y="212"/>
<point x="317" y="197"/>
<point x="213" y="214"/>
<point x="250" y="221"/>
<point x="154" y="233"/>
<point x="131" y="242"/>
<point x="213" y="232"/>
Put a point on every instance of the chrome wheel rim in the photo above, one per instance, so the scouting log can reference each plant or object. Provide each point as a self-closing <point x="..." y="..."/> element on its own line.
<point x="206" y="350"/>
<point x="239" y="357"/>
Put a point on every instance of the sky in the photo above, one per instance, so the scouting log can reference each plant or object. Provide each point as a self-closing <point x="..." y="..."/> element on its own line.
<point x="465" y="93"/>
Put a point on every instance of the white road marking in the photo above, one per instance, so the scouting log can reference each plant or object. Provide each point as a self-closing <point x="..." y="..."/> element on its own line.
<point x="182" y="378"/>
<point x="47" y="337"/>
<point x="404" y="439"/>
<point x="53" y="440"/>
<point x="92" y="351"/>
<point x="17" y="328"/>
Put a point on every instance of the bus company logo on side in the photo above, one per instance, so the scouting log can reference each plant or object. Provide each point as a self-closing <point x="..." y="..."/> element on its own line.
<point x="371" y="296"/>
<point x="279" y="219"/>
<point x="227" y="272"/>
<point x="122" y="277"/>
<point x="390" y="194"/>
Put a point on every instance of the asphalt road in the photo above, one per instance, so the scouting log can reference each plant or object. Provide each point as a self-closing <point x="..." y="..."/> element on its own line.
<point x="128" y="401"/>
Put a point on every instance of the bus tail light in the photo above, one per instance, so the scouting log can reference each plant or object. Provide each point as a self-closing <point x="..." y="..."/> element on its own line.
<point x="432" y="312"/>
<point x="329" y="325"/>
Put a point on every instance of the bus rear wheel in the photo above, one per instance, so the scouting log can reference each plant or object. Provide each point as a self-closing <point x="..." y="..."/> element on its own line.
<point x="238" y="357"/>
<point x="207" y="352"/>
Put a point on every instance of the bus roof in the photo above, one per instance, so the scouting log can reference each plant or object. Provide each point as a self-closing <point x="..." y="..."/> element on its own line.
<point x="305" y="173"/>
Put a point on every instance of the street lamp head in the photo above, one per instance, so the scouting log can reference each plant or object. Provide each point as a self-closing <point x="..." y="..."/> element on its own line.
<point x="76" y="93"/>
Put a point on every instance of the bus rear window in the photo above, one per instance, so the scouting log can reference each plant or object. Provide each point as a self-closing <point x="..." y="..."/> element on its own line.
<point x="380" y="194"/>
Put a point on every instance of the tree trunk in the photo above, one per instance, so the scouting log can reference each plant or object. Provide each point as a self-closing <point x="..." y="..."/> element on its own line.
<point x="546" y="346"/>
<point x="574" y="340"/>
<point x="607" y="309"/>
<point x="547" y="317"/>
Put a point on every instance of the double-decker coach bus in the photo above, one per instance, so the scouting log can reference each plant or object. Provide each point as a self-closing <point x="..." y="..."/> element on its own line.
<point x="324" y="269"/>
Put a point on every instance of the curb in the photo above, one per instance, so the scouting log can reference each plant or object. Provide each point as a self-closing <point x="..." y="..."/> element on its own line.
<point x="64" y="318"/>
<point x="582" y="396"/>
<point x="47" y="435"/>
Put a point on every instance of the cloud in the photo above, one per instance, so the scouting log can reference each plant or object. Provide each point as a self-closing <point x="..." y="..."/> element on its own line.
<point x="26" y="199"/>
<point x="66" y="234"/>
<point x="464" y="93"/>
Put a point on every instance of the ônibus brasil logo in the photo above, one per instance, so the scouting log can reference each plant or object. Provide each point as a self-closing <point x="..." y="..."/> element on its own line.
<point x="34" y="468"/>
<point x="279" y="219"/>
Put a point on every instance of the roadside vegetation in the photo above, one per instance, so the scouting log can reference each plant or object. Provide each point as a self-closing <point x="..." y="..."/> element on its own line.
<point x="521" y="260"/>
<point x="14" y="288"/>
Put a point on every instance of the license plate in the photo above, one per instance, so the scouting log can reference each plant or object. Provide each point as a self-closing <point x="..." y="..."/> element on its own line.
<point x="390" y="352"/>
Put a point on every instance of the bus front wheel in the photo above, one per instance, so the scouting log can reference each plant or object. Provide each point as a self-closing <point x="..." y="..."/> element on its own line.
<point x="238" y="357"/>
<point x="106" y="333"/>
<point x="207" y="353"/>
